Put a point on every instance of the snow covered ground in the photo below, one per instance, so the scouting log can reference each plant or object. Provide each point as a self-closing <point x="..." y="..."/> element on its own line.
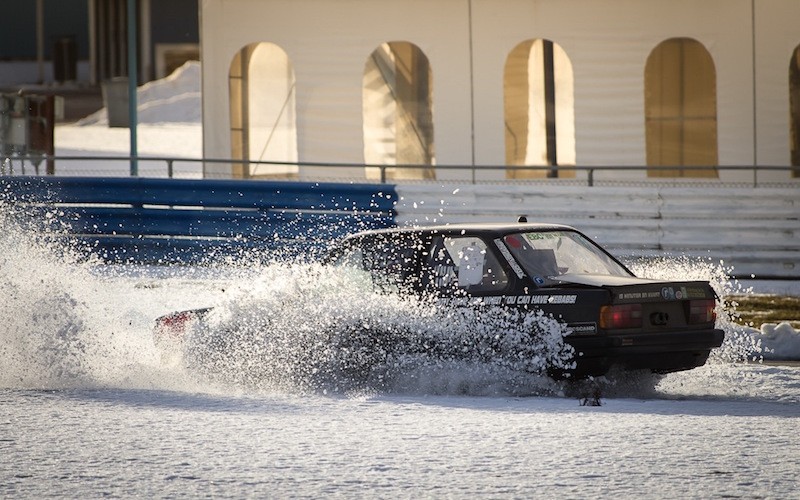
<point x="89" y="408"/>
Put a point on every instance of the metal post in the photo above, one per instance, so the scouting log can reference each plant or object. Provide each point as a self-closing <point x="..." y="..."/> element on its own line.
<point x="133" y="79"/>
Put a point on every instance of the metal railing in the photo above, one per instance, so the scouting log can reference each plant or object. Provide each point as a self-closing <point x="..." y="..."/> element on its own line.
<point x="568" y="174"/>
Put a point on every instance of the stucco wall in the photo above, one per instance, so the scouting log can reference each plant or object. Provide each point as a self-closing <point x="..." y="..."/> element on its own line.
<point x="328" y="58"/>
<point x="608" y="43"/>
<point x="777" y="36"/>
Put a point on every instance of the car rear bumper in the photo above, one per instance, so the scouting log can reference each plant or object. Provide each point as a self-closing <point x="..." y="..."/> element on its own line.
<point x="661" y="352"/>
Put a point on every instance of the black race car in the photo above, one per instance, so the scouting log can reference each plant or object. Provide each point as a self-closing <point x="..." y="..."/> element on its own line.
<point x="614" y="319"/>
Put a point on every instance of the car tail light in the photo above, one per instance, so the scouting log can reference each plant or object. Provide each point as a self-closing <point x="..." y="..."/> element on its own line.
<point x="702" y="311"/>
<point x="173" y="325"/>
<point x="621" y="316"/>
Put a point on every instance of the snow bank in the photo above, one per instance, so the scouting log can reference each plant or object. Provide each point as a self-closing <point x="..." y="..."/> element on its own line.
<point x="174" y="99"/>
<point x="169" y="125"/>
<point x="778" y="342"/>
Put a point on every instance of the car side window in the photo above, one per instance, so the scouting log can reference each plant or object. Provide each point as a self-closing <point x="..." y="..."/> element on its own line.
<point x="464" y="263"/>
<point x="352" y="260"/>
<point x="392" y="266"/>
<point x="389" y="265"/>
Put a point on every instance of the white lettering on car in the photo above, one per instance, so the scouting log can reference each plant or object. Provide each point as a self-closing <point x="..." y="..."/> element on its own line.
<point x="550" y="299"/>
<point x="562" y="299"/>
<point x="583" y="327"/>
<point x="511" y="300"/>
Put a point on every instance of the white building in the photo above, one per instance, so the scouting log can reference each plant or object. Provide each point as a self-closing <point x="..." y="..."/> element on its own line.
<point x="481" y="83"/>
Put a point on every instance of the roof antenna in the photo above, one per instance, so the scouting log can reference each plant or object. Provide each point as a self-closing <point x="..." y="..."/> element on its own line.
<point x="522" y="219"/>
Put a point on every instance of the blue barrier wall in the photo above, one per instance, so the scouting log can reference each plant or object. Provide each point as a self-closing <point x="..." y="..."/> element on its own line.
<point x="168" y="220"/>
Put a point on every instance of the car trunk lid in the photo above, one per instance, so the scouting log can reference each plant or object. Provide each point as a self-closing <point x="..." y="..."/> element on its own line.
<point x="651" y="305"/>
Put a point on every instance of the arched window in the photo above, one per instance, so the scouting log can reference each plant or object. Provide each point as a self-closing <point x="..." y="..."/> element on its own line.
<point x="794" y="106"/>
<point x="680" y="85"/>
<point x="262" y="106"/>
<point x="398" y="112"/>
<point x="539" y="109"/>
